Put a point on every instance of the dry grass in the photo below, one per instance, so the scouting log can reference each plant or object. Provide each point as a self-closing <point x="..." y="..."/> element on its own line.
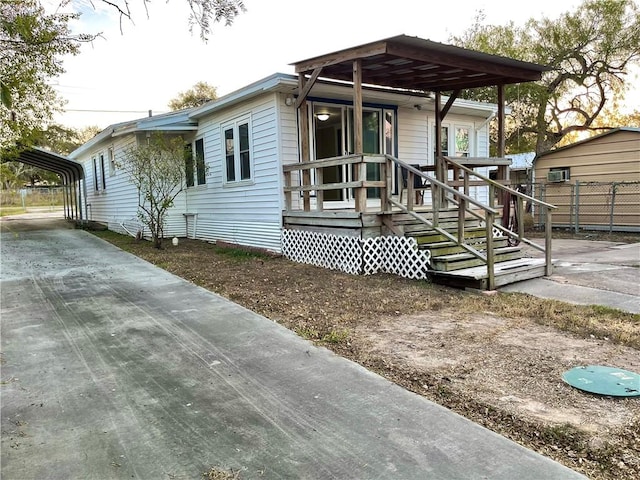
<point x="494" y="359"/>
<point x="215" y="473"/>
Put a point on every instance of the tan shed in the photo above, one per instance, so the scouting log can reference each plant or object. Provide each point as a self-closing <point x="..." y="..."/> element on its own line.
<point x="595" y="182"/>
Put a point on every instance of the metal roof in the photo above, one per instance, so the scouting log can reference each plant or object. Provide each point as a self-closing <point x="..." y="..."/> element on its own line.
<point x="38" y="157"/>
<point x="414" y="63"/>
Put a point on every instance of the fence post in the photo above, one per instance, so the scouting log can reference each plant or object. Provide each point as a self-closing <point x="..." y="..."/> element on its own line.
<point x="543" y="197"/>
<point x="577" y="209"/>
<point x="614" y="187"/>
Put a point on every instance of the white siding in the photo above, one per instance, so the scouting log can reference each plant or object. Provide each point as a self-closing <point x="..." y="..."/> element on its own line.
<point x="117" y="204"/>
<point x="413" y="144"/>
<point x="247" y="213"/>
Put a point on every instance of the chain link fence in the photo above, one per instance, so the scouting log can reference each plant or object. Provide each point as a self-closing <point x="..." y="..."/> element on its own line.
<point x="32" y="197"/>
<point x="608" y="206"/>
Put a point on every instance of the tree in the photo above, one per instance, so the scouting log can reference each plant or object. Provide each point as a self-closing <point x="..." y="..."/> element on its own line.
<point x="32" y="44"/>
<point x="203" y="14"/>
<point x="156" y="169"/>
<point x="197" y="95"/>
<point x="588" y="53"/>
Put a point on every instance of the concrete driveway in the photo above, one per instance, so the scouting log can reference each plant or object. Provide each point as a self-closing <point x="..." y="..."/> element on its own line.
<point x="589" y="273"/>
<point x="113" y="368"/>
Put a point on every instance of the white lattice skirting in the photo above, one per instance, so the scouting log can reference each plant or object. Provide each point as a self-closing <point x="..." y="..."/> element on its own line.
<point x="357" y="256"/>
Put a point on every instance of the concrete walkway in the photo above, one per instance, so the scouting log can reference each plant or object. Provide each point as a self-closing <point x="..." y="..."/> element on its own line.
<point x="113" y="368"/>
<point x="589" y="273"/>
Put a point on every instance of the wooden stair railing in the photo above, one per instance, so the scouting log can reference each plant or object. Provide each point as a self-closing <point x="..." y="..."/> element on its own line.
<point x="485" y="213"/>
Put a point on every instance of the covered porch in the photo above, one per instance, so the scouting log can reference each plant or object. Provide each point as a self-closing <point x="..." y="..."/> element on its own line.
<point x="429" y="206"/>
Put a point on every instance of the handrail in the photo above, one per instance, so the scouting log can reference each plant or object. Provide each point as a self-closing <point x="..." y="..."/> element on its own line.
<point x="441" y="231"/>
<point x="498" y="184"/>
<point x="441" y="191"/>
<point x="440" y="184"/>
<point x="521" y="197"/>
<point x="463" y="200"/>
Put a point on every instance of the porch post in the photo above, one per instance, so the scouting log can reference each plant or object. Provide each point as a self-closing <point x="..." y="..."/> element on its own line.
<point x="503" y="170"/>
<point x="441" y="172"/>
<point x="361" y="172"/>
<point x="305" y="153"/>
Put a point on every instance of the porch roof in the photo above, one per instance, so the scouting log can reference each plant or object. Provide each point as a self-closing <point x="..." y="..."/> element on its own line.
<point x="414" y="63"/>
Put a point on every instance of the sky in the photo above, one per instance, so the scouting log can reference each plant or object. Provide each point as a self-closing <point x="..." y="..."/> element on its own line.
<point x="139" y="66"/>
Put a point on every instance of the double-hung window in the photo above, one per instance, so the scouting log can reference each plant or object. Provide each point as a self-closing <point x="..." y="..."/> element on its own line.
<point x="201" y="174"/>
<point x="237" y="150"/>
<point x="195" y="168"/>
<point x="188" y="164"/>
<point x="96" y="185"/>
<point x="102" y="171"/>
<point x="112" y="162"/>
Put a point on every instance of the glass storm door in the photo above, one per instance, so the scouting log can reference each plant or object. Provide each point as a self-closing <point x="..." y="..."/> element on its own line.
<point x="334" y="136"/>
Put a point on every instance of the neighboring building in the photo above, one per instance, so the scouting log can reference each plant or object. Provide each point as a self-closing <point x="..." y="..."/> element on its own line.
<point x="235" y="193"/>
<point x="521" y="169"/>
<point x="595" y="183"/>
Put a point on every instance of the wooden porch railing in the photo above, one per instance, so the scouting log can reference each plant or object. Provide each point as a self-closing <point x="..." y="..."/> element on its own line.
<point x="455" y="191"/>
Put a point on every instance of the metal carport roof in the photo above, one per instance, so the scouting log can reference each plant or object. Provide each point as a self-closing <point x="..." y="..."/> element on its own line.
<point x="71" y="171"/>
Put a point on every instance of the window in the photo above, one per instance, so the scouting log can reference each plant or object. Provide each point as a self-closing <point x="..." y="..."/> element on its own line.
<point x="112" y="162"/>
<point x="201" y="173"/>
<point x="455" y="141"/>
<point x="102" y="170"/>
<point x="462" y="142"/>
<point x="188" y="165"/>
<point x="237" y="151"/>
<point x="444" y="141"/>
<point x="96" y="186"/>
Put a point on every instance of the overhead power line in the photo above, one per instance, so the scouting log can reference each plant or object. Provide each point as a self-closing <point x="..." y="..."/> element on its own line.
<point x="110" y="111"/>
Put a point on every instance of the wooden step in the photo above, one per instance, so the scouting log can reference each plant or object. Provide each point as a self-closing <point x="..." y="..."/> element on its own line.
<point x="401" y="217"/>
<point x="432" y="236"/>
<point x="505" y="273"/>
<point x="447" y="248"/>
<point x="458" y="261"/>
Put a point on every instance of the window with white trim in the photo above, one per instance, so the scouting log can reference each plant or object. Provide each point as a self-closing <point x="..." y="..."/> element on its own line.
<point x="188" y="165"/>
<point x="456" y="140"/>
<point x="237" y="150"/>
<point x="102" y="170"/>
<point x="201" y="174"/>
<point x="195" y="169"/>
<point x="112" y="162"/>
<point x="96" y="185"/>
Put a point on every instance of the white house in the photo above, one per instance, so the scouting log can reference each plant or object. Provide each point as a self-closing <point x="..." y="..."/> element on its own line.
<point x="245" y="139"/>
<point x="287" y="161"/>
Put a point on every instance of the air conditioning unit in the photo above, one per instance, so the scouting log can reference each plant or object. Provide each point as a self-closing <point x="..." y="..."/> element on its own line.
<point x="556" y="176"/>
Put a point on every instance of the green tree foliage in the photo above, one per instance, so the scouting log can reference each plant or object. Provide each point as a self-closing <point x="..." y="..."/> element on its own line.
<point x="589" y="53"/>
<point x="197" y="95"/>
<point x="203" y="13"/>
<point x="156" y="169"/>
<point x="32" y="44"/>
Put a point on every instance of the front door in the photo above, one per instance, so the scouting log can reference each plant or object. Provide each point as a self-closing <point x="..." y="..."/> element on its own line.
<point x="333" y="137"/>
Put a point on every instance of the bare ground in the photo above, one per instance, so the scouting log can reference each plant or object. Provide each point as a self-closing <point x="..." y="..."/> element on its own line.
<point x="495" y="359"/>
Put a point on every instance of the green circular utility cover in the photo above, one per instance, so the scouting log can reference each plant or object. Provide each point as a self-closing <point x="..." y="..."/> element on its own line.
<point x="604" y="380"/>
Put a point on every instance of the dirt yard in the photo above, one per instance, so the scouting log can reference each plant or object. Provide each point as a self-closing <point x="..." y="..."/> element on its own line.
<point x="495" y="359"/>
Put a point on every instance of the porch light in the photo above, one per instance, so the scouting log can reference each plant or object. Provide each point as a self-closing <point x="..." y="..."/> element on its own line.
<point x="323" y="117"/>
